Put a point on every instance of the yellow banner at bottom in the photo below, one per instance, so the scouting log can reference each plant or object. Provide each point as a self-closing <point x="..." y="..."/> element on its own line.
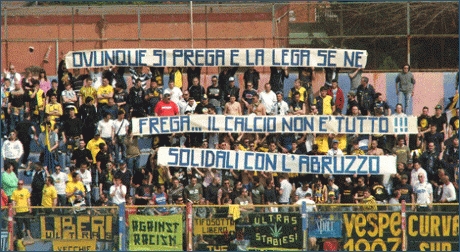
<point x="216" y="226"/>
<point x="74" y="245"/>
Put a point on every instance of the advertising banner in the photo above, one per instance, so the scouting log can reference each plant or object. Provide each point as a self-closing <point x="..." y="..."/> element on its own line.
<point x="327" y="225"/>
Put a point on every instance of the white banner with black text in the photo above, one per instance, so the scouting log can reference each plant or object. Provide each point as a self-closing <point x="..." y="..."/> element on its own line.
<point x="275" y="124"/>
<point x="236" y="57"/>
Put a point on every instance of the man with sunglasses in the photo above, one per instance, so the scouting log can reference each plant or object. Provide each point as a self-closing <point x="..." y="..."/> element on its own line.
<point x="21" y="208"/>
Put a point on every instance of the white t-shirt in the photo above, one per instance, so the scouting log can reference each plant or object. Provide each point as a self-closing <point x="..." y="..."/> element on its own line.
<point x="332" y="152"/>
<point x="311" y="205"/>
<point x="117" y="124"/>
<point x="105" y="128"/>
<point x="414" y="176"/>
<point x="287" y="188"/>
<point x="60" y="182"/>
<point x="175" y="93"/>
<point x="301" y="193"/>
<point x="86" y="179"/>
<point x="97" y="79"/>
<point x="119" y="192"/>
<point x="423" y="192"/>
<point x="268" y="100"/>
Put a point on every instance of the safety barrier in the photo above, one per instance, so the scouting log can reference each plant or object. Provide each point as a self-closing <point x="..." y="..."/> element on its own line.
<point x="332" y="227"/>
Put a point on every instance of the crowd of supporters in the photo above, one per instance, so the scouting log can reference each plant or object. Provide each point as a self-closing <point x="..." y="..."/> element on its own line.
<point x="82" y="123"/>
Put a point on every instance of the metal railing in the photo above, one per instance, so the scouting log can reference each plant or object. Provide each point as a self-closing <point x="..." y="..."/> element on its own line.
<point x="190" y="227"/>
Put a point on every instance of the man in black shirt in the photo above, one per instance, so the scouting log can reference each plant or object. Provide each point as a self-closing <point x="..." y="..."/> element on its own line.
<point x="89" y="118"/>
<point x="23" y="129"/>
<point x="230" y="90"/>
<point x="351" y="102"/>
<point x="224" y="77"/>
<point x="102" y="158"/>
<point x="406" y="190"/>
<point x="72" y="129"/>
<point x="358" y="191"/>
<point x="215" y="95"/>
<point x="440" y="120"/>
<point x="81" y="154"/>
<point x="346" y="193"/>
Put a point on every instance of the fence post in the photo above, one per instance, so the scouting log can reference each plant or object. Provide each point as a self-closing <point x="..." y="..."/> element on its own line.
<point x="403" y="226"/>
<point x="121" y="227"/>
<point x="188" y="224"/>
<point x="304" y="226"/>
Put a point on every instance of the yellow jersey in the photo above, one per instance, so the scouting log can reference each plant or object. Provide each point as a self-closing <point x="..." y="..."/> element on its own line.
<point x="93" y="146"/>
<point x="88" y="92"/>
<point x="21" y="198"/>
<point x="104" y="91"/>
<point x="54" y="107"/>
<point x="49" y="194"/>
<point x="71" y="186"/>
<point x="302" y="92"/>
<point x="40" y="97"/>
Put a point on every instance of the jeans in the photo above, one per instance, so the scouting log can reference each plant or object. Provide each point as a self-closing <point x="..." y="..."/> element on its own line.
<point x="133" y="163"/>
<point x="108" y="141"/>
<point x="88" y="198"/>
<point x="62" y="200"/>
<point x="406" y="100"/>
<point x="26" y="147"/>
<point x="22" y="219"/>
<point x="3" y="127"/>
<point x="64" y="159"/>
<point x="15" y="119"/>
<point x="120" y="147"/>
<point x="219" y="110"/>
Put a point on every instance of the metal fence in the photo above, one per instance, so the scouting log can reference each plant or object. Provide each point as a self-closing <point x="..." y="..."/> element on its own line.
<point x="425" y="34"/>
<point x="332" y="227"/>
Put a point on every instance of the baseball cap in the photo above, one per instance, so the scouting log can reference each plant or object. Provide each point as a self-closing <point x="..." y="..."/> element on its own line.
<point x="97" y="133"/>
<point x="351" y="93"/>
<point x="231" y="79"/>
<point x="335" y="141"/>
<point x="331" y="177"/>
<point x="404" y="176"/>
<point x="438" y="107"/>
<point x="204" y="97"/>
<point x="121" y="161"/>
<point x="348" y="179"/>
<point x="166" y="93"/>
